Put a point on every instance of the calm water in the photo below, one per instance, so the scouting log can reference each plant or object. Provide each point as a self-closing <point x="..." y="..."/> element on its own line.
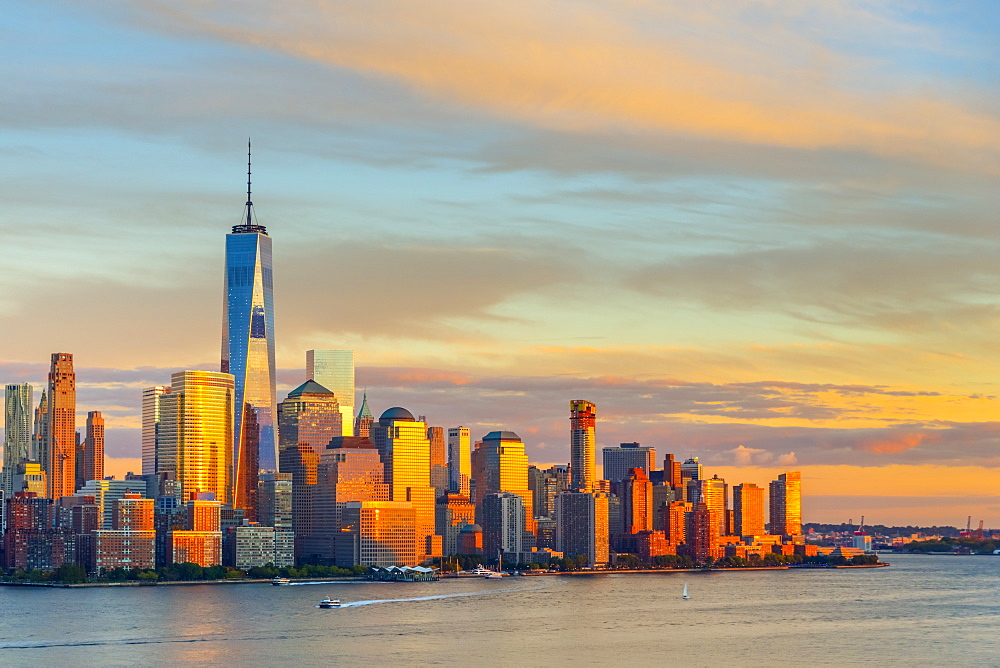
<point x="921" y="611"/>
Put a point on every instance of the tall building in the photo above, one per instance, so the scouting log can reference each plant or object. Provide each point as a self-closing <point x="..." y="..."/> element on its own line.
<point x="637" y="502"/>
<point x="379" y="533"/>
<point x="582" y="526"/>
<point x="786" y="504"/>
<point x="248" y="352"/>
<point x="405" y="451"/>
<point x="131" y="542"/>
<point x="310" y="414"/>
<point x="439" y="460"/>
<point x="16" y="435"/>
<point x="545" y="486"/>
<point x="274" y="509"/>
<point x="691" y="469"/>
<point x="151" y="426"/>
<point x="364" y="421"/>
<point x="107" y="493"/>
<point x="334" y="370"/>
<point x="201" y="542"/>
<point x="459" y="460"/>
<point x="454" y="511"/>
<point x="713" y="494"/>
<point x="90" y="462"/>
<point x="583" y="445"/>
<point x="748" y="509"/>
<point x="59" y="452"/>
<point x="619" y="462"/>
<point x="505" y="469"/>
<point x="196" y="431"/>
<point x="503" y="516"/>
<point x="40" y="431"/>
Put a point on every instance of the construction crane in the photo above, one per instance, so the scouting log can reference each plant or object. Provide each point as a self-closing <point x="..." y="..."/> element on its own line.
<point x="979" y="531"/>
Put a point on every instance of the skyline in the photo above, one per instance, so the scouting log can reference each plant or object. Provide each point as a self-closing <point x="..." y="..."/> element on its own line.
<point x="741" y="234"/>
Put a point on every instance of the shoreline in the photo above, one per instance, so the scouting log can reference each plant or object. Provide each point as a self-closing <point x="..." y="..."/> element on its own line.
<point x="356" y="578"/>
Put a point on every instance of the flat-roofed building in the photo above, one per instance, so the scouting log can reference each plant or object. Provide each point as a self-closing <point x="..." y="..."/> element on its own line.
<point x="379" y="533"/>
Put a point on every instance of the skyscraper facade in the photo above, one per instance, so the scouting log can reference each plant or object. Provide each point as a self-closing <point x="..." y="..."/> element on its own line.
<point x="786" y="504"/>
<point x="619" y="462"/>
<point x="459" y="460"/>
<point x="90" y="463"/>
<point x="506" y="470"/>
<point x="582" y="526"/>
<point x="310" y="414"/>
<point x="503" y="516"/>
<point x="196" y="432"/>
<point x="151" y="426"/>
<point x="364" y="421"/>
<point x="748" y="509"/>
<point x="248" y="352"/>
<point x="60" y="448"/>
<point x="334" y="370"/>
<point x="439" y="460"/>
<point x="583" y="445"/>
<point x="17" y="434"/>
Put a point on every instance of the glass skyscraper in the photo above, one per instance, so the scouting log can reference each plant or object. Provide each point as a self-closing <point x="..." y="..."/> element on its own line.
<point x="334" y="370"/>
<point x="17" y="433"/>
<point x="248" y="352"/>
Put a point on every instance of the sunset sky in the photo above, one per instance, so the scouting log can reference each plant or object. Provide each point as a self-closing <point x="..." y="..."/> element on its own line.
<point x="763" y="233"/>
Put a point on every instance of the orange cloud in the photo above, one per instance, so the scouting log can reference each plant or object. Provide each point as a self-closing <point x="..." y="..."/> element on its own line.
<point x="895" y="444"/>
<point x="600" y="68"/>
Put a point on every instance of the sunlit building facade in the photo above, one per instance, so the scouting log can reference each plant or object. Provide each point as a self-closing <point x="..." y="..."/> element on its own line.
<point x="583" y="445"/>
<point x="151" y="419"/>
<point x="713" y="493"/>
<point x="786" y="504"/>
<point x="439" y="460"/>
<point x="506" y="470"/>
<point x="196" y="429"/>
<point x="748" y="509"/>
<point x="334" y="370"/>
<point x="637" y="502"/>
<point x="405" y="451"/>
<point x="17" y="433"/>
<point x="90" y="457"/>
<point x="459" y="460"/>
<point x="58" y="458"/>
<point x="248" y="353"/>
<point x="379" y="533"/>
<point x="310" y="414"/>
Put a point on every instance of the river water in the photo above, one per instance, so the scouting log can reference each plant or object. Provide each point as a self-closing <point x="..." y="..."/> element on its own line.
<point x="923" y="610"/>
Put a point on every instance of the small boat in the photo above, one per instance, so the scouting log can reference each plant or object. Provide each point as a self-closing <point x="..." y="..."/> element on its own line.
<point x="330" y="603"/>
<point x="685" y="595"/>
<point x="493" y="574"/>
<point x="280" y="581"/>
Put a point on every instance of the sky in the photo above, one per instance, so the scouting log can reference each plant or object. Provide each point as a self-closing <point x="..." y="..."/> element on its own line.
<point x="761" y="233"/>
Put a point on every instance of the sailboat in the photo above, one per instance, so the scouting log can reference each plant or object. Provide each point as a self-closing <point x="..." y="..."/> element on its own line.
<point x="685" y="594"/>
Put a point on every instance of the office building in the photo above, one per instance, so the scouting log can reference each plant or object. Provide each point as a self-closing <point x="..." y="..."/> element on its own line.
<point x="151" y="426"/>
<point x="439" y="460"/>
<point x="201" y="542"/>
<point x="106" y="494"/>
<point x="713" y="493"/>
<point x="40" y="431"/>
<point x="453" y="511"/>
<point x="58" y="456"/>
<point x="350" y="472"/>
<point x="364" y="421"/>
<point x="505" y="469"/>
<point x="619" y="462"/>
<point x="16" y="435"/>
<point x="248" y="353"/>
<point x="583" y="445"/>
<point x="637" y="502"/>
<point x="545" y="486"/>
<point x="786" y="505"/>
<point x="405" y="452"/>
<point x="90" y="457"/>
<point x="691" y="469"/>
<point x="334" y="370"/>
<point x="502" y="519"/>
<point x="582" y="526"/>
<point x="196" y="431"/>
<point x="748" y="509"/>
<point x="702" y="539"/>
<point x="459" y="460"/>
<point x="130" y="542"/>
<point x="310" y="414"/>
<point x="30" y="477"/>
<point x="379" y="533"/>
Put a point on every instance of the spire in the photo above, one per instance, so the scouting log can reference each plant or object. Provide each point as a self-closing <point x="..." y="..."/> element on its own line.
<point x="365" y="412"/>
<point x="248" y="226"/>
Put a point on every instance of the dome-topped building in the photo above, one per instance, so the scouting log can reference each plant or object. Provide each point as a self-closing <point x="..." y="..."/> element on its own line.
<point x="396" y="414"/>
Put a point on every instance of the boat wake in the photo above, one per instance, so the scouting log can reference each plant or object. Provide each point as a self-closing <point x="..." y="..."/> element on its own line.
<point x="437" y="597"/>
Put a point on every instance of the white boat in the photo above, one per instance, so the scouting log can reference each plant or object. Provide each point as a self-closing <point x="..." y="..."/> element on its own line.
<point x="280" y="581"/>
<point x="498" y="573"/>
<point x="685" y="595"/>
<point x="479" y="570"/>
<point x="330" y="603"/>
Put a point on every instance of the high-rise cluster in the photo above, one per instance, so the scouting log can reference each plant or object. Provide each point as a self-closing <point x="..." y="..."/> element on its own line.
<point x="230" y="475"/>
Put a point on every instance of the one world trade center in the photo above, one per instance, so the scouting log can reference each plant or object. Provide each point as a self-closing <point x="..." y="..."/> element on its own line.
<point x="248" y="352"/>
